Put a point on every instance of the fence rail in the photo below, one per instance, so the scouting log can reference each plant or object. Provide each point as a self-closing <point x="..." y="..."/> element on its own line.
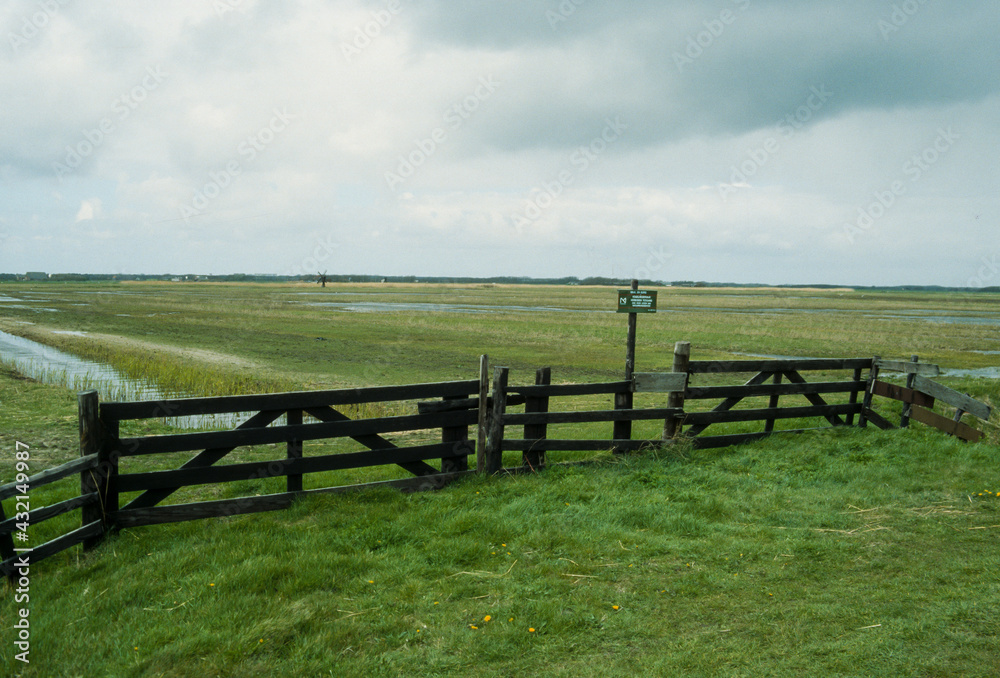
<point x="453" y="407"/>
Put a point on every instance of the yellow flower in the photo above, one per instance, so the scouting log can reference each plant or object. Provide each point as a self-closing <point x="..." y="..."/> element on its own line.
<point x="261" y="640"/>
<point x="531" y="630"/>
<point x="487" y="618"/>
<point x="212" y="584"/>
<point x="371" y="581"/>
<point x="615" y="607"/>
<point x="473" y="627"/>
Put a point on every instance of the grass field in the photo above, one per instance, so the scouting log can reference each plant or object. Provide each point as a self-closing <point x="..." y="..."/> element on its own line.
<point x="853" y="553"/>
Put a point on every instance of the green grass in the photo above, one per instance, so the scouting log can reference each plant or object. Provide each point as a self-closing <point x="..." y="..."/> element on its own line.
<point x="841" y="553"/>
<point x="848" y="553"/>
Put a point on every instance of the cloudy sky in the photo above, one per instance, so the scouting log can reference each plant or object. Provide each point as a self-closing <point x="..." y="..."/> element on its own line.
<point x="765" y="141"/>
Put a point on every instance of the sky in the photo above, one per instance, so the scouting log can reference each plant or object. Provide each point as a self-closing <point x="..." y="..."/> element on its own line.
<point x="851" y="142"/>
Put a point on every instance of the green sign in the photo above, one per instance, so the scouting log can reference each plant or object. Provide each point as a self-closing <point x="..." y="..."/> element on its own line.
<point x="636" y="301"/>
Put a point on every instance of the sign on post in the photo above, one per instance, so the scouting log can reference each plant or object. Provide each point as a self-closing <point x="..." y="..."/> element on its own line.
<point x="636" y="301"/>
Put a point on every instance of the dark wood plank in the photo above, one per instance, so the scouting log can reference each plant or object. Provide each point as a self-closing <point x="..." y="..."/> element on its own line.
<point x="558" y="390"/>
<point x="201" y="460"/>
<point x="906" y="395"/>
<point x="180" y="407"/>
<point x="747" y="391"/>
<point x="282" y="434"/>
<point x="271" y="502"/>
<point x="43" y="513"/>
<point x="728" y="403"/>
<point x="800" y="364"/>
<point x="814" y="398"/>
<point x="133" y="482"/>
<point x="763" y="414"/>
<point x="588" y="416"/>
<point x="957" y="400"/>
<point x="950" y="426"/>
<point x="57" y="545"/>
<point x="293" y="450"/>
<point x="70" y="468"/>
<point x="372" y="441"/>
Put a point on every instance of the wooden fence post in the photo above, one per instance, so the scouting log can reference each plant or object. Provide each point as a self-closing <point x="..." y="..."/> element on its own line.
<point x="853" y="400"/>
<point x="494" y="442"/>
<point x="454" y="434"/>
<point x="484" y="413"/>
<point x="293" y="483"/>
<point x="104" y="478"/>
<point x="682" y="356"/>
<point x="904" y="419"/>
<point x="622" y="430"/>
<point x="772" y="403"/>
<point x="536" y="458"/>
<point x="866" y="402"/>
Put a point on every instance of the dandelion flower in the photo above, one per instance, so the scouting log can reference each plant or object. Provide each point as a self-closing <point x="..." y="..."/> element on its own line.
<point x="371" y="581"/>
<point x="531" y="630"/>
<point x="473" y="627"/>
<point x="212" y="584"/>
<point x="615" y="607"/>
<point x="511" y="619"/>
<point x="261" y="640"/>
<point x="487" y="618"/>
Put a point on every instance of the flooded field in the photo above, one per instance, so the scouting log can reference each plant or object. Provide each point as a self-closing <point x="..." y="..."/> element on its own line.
<point x="130" y="340"/>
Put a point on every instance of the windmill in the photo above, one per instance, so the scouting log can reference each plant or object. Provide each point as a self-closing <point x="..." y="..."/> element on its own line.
<point x="321" y="278"/>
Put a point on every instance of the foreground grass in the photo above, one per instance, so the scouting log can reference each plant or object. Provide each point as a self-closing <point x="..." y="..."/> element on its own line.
<point x="844" y="553"/>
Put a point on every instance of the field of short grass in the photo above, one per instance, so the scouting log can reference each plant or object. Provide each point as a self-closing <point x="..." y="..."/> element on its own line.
<point x="848" y="552"/>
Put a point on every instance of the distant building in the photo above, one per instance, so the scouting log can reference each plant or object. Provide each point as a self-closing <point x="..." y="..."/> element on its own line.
<point x="36" y="275"/>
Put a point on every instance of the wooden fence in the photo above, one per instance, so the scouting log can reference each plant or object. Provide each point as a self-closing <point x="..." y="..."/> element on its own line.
<point x="842" y="395"/>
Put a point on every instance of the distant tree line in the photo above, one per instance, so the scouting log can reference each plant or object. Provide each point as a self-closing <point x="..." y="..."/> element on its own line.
<point x="467" y="280"/>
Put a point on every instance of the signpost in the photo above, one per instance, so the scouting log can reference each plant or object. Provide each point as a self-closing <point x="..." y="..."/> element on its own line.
<point x="631" y="301"/>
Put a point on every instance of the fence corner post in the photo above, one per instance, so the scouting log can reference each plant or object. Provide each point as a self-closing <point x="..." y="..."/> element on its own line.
<point x="682" y="356"/>
<point x="493" y="461"/>
<point x="102" y="478"/>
